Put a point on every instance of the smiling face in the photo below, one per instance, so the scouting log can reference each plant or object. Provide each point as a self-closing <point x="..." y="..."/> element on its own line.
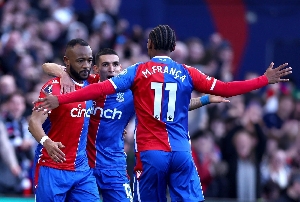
<point x="108" y="66"/>
<point x="78" y="61"/>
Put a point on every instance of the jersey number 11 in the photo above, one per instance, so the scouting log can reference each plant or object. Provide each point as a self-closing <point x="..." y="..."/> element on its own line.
<point x="172" y="88"/>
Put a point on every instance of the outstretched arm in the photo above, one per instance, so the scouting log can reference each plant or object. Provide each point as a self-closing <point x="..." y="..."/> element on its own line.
<point x="52" y="69"/>
<point x="206" y="84"/>
<point x="90" y="92"/>
<point x="198" y="102"/>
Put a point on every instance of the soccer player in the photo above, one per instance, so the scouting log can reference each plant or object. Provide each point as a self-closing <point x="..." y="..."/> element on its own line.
<point x="111" y="115"/>
<point x="161" y="91"/>
<point x="65" y="176"/>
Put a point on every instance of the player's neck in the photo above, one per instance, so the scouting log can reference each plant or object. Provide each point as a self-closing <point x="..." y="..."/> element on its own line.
<point x="160" y="53"/>
<point x="79" y="83"/>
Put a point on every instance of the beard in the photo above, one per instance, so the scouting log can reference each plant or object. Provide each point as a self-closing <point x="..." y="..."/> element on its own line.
<point x="81" y="75"/>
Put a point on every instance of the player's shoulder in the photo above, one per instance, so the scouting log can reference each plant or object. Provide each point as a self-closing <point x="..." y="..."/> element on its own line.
<point x="93" y="78"/>
<point x="192" y="69"/>
<point x="50" y="84"/>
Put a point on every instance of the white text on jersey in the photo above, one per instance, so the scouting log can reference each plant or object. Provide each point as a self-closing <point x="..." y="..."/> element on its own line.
<point x="108" y="113"/>
<point x="159" y="69"/>
<point x="81" y="112"/>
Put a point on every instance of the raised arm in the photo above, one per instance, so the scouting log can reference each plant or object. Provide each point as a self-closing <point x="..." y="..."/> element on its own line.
<point x="52" y="69"/>
<point x="198" y="102"/>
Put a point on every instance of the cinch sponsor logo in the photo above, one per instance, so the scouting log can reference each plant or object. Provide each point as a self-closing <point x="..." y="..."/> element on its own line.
<point x="108" y="113"/>
<point x="81" y="112"/>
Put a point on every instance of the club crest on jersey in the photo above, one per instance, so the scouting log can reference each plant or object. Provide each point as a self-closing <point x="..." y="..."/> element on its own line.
<point x="120" y="97"/>
<point x="48" y="89"/>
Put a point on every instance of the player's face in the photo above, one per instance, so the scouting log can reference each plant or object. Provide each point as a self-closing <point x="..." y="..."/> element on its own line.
<point x="108" y="67"/>
<point x="79" y="60"/>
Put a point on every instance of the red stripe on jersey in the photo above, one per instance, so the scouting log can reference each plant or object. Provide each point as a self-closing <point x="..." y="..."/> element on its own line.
<point x="36" y="175"/>
<point x="138" y="168"/>
<point x="152" y="133"/>
<point x="93" y="131"/>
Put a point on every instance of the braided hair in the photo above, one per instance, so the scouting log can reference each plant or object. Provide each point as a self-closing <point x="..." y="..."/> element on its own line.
<point x="163" y="38"/>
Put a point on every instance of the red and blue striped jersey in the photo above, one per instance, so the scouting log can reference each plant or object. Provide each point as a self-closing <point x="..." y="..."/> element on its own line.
<point x="162" y="90"/>
<point x="107" y="123"/>
<point x="67" y="124"/>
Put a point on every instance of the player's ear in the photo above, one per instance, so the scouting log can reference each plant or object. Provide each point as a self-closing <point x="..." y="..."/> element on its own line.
<point x="149" y="44"/>
<point x="66" y="61"/>
<point x="96" y="69"/>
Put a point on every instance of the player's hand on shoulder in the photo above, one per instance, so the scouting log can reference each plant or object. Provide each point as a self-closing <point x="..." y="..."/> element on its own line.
<point x="275" y="75"/>
<point x="54" y="150"/>
<point x="217" y="99"/>
<point x="66" y="84"/>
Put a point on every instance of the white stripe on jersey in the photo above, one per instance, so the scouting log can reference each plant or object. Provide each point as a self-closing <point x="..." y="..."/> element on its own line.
<point x="213" y="85"/>
<point x="114" y="85"/>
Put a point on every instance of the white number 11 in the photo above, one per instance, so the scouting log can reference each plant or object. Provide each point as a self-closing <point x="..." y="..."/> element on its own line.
<point x="172" y="88"/>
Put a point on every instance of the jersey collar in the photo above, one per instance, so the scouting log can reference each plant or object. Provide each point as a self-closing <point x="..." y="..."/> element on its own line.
<point x="161" y="59"/>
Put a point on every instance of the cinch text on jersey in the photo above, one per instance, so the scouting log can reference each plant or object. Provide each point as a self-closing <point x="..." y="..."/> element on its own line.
<point x="108" y="113"/>
<point x="81" y="112"/>
<point x="166" y="70"/>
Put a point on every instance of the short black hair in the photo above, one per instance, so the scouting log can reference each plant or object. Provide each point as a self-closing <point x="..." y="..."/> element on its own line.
<point x="163" y="38"/>
<point x="104" y="51"/>
<point x="76" y="41"/>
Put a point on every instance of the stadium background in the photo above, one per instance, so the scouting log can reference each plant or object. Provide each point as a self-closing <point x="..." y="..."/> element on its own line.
<point x="258" y="32"/>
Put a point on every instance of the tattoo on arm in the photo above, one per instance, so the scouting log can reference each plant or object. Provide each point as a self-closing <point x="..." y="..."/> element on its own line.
<point x="195" y="103"/>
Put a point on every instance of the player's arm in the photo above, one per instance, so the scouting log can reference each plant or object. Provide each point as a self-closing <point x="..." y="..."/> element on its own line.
<point x="198" y="102"/>
<point x="90" y="92"/>
<point x="118" y="83"/>
<point x="206" y="84"/>
<point x="66" y="83"/>
<point x="35" y="128"/>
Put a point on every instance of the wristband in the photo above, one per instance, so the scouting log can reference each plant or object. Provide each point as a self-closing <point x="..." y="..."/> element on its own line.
<point x="204" y="100"/>
<point x="44" y="139"/>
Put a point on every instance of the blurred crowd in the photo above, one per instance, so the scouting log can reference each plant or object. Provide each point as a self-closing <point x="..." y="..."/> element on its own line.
<point x="246" y="149"/>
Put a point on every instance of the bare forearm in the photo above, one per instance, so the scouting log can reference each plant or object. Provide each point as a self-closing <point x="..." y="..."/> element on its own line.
<point x="195" y="103"/>
<point x="53" y="69"/>
<point x="35" y="125"/>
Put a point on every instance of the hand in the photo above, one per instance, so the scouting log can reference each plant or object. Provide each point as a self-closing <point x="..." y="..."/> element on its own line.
<point x="274" y="74"/>
<point x="66" y="84"/>
<point x="46" y="104"/>
<point x="53" y="149"/>
<point x="217" y="99"/>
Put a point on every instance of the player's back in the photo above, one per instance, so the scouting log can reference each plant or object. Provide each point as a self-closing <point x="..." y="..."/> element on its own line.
<point x="162" y="91"/>
<point x="67" y="124"/>
<point x="107" y="123"/>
